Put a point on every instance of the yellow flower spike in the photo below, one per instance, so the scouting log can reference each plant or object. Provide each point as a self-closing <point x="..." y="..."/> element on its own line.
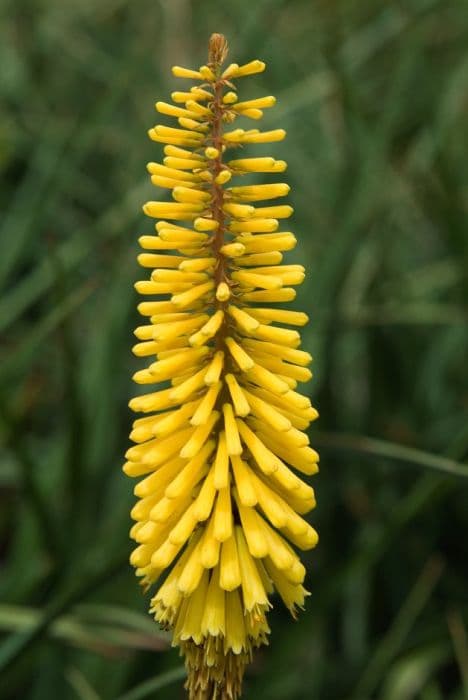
<point x="219" y="505"/>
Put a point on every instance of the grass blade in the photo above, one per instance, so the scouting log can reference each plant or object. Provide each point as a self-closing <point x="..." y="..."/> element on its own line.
<point x="373" y="447"/>
<point x="151" y="686"/>
<point x="397" y="633"/>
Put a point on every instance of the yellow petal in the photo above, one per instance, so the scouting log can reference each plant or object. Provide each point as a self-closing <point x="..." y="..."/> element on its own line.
<point x="229" y="569"/>
<point x="223" y="516"/>
<point x="233" y="442"/>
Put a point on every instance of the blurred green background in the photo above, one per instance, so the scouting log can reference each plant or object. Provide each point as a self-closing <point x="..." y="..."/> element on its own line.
<point x="374" y="96"/>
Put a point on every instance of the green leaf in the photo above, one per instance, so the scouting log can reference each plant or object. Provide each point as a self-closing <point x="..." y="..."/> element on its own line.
<point x="93" y="627"/>
<point x="151" y="686"/>
<point x="81" y="686"/>
<point x="372" y="447"/>
<point x="393" y="640"/>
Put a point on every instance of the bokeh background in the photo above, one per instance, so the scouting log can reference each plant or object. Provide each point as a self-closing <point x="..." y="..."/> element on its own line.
<point x="374" y="96"/>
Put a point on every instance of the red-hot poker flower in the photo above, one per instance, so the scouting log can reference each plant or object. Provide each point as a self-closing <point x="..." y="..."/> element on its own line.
<point x="219" y="502"/>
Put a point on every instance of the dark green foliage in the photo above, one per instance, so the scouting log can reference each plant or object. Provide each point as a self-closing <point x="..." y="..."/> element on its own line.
<point x="374" y="96"/>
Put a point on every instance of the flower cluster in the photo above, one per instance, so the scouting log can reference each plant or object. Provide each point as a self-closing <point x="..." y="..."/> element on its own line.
<point x="219" y="502"/>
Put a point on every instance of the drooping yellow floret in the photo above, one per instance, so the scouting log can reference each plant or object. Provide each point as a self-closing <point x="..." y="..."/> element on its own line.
<point x="220" y="505"/>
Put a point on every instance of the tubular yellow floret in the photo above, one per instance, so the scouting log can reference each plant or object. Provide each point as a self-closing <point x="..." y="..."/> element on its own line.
<point x="239" y="211"/>
<point x="259" y="103"/>
<point x="180" y="72"/>
<point x="219" y="506"/>
<point x="230" y="70"/>
<point x="265" y="136"/>
<point x="258" y="192"/>
<point x="222" y="292"/>
<point x="211" y="153"/>
<point x="223" y="177"/>
<point x="248" y="69"/>
<point x="252" y="113"/>
<point x="202" y="224"/>
<point x="172" y="110"/>
<point x="229" y="98"/>
<point x="233" y="250"/>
